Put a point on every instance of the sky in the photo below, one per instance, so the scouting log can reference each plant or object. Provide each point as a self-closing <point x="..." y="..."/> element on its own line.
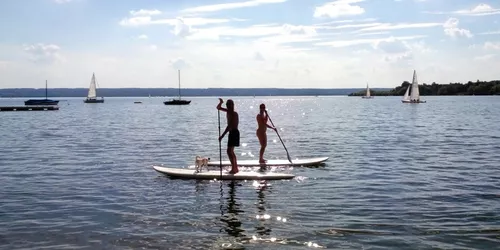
<point x="247" y="43"/>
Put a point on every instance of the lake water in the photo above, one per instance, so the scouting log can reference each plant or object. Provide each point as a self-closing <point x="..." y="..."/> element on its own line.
<point x="400" y="176"/>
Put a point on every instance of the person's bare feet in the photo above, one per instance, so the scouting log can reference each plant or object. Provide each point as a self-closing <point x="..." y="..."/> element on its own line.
<point x="233" y="171"/>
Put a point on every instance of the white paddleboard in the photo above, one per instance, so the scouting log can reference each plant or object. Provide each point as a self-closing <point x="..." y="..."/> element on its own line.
<point x="255" y="163"/>
<point x="210" y="175"/>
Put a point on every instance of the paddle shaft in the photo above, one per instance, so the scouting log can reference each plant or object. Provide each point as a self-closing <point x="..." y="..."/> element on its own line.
<point x="287" y="154"/>
<point x="220" y="147"/>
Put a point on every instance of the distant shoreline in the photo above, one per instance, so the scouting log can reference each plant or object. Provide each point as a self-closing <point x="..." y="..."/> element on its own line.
<point x="174" y="92"/>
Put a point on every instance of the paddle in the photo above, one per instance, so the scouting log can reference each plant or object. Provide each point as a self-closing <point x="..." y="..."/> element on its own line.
<point x="287" y="154"/>
<point x="220" y="148"/>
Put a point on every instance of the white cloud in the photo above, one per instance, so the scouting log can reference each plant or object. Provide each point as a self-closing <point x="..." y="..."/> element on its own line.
<point x="451" y="29"/>
<point x="251" y="31"/>
<point x="395" y="51"/>
<point x="373" y="41"/>
<point x="402" y="59"/>
<point x="142" y="37"/>
<point x="43" y="53"/>
<point x="480" y="10"/>
<point x="181" y="28"/>
<point x="143" y="12"/>
<point x="492" y="45"/>
<point x="192" y="21"/>
<point x="284" y="39"/>
<point x="487" y="57"/>
<point x="136" y="21"/>
<point x="497" y="32"/>
<point x="339" y="8"/>
<point x="271" y="33"/>
<point x="347" y="21"/>
<point x="347" y="26"/>
<point x="178" y="63"/>
<point x="372" y="33"/>
<point x="234" y="5"/>
<point x="298" y="30"/>
<point x="420" y="47"/>
<point x="388" y="26"/>
<point x="392" y="46"/>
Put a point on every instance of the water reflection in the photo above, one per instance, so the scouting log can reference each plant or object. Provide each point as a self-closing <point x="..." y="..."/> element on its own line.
<point x="261" y="228"/>
<point x="233" y="210"/>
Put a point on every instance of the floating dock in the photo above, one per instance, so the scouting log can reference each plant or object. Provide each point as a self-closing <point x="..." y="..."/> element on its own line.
<point x="29" y="108"/>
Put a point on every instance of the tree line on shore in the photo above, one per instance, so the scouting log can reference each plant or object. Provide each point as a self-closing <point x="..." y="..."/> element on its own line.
<point x="469" y="88"/>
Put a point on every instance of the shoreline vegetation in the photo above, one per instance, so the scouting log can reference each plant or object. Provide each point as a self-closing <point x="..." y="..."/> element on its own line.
<point x="470" y="88"/>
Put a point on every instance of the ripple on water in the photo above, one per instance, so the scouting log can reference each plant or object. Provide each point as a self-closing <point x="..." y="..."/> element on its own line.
<point x="398" y="177"/>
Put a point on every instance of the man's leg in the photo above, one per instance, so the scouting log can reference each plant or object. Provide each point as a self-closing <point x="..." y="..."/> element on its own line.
<point x="232" y="158"/>
<point x="230" y="155"/>
<point x="235" y="163"/>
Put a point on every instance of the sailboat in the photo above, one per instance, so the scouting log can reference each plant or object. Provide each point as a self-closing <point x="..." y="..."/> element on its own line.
<point x="178" y="101"/>
<point x="368" y="94"/>
<point x="413" y="96"/>
<point x="92" y="94"/>
<point x="42" y="101"/>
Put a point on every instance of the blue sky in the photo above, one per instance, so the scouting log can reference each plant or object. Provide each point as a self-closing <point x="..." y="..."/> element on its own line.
<point x="253" y="43"/>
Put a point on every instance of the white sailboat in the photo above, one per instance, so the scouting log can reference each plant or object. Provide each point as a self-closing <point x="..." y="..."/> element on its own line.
<point x="92" y="94"/>
<point x="406" y="97"/>
<point x="368" y="94"/>
<point x="413" y="96"/>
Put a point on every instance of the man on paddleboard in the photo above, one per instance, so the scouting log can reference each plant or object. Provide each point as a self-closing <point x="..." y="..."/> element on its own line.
<point x="234" y="134"/>
<point x="262" y="119"/>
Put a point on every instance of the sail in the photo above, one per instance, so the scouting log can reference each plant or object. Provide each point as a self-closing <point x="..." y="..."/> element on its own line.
<point x="406" y="97"/>
<point x="415" y="94"/>
<point x="92" y="89"/>
<point x="367" y="91"/>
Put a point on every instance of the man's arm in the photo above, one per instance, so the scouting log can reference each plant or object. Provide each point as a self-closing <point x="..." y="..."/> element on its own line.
<point x="224" y="133"/>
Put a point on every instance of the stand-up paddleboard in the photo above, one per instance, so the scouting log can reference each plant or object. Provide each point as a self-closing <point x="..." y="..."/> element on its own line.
<point x="255" y="163"/>
<point x="210" y="175"/>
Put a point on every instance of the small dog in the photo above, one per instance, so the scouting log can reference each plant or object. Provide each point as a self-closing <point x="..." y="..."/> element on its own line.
<point x="200" y="162"/>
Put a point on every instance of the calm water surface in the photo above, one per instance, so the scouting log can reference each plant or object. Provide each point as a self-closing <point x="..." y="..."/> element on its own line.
<point x="400" y="176"/>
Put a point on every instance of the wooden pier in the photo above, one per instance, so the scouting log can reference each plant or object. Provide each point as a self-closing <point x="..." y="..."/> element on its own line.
<point x="29" y="108"/>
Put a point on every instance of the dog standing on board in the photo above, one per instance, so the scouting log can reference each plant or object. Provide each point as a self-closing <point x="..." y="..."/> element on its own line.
<point x="200" y="162"/>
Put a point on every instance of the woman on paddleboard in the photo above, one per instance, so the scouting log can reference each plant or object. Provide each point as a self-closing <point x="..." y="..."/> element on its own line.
<point x="234" y="134"/>
<point x="262" y="119"/>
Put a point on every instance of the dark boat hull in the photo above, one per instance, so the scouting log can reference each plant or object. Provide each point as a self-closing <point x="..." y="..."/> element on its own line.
<point x="41" y="102"/>
<point x="94" y="100"/>
<point x="405" y="101"/>
<point x="177" y="102"/>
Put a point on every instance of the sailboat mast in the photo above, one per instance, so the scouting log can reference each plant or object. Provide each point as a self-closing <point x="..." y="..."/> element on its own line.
<point x="179" y="73"/>
<point x="46" y="90"/>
